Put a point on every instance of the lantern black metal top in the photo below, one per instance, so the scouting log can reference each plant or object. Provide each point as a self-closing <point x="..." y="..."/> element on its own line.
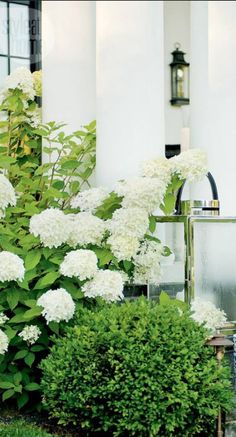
<point x="179" y="78"/>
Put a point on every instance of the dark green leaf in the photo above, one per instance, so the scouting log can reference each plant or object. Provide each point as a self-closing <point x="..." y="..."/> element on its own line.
<point x="8" y="394"/>
<point x="32" y="386"/>
<point x="32" y="313"/>
<point x="59" y="185"/>
<point x="32" y="259"/>
<point x="21" y="354"/>
<point x="46" y="280"/>
<point x="13" y="298"/>
<point x="29" y="359"/>
<point x="18" y="318"/>
<point x="152" y="224"/>
<point x="54" y="327"/>
<point x="70" y="164"/>
<point x="127" y="265"/>
<point x="168" y="204"/>
<point x="17" y="377"/>
<point x="6" y="385"/>
<point x="22" y="400"/>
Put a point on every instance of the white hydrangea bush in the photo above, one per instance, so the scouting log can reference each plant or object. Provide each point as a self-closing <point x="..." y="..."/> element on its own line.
<point x="70" y="252"/>
<point x="122" y="237"/>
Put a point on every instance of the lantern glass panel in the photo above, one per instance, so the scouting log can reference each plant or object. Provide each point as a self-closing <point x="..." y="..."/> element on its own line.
<point x="180" y="82"/>
<point x="214" y="248"/>
<point x="173" y="267"/>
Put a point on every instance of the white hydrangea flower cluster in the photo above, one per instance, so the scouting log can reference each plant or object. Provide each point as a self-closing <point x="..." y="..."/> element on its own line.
<point x="127" y="226"/>
<point x="22" y="79"/>
<point x="160" y="168"/>
<point x="11" y="267"/>
<point x="52" y="226"/>
<point x="205" y="312"/>
<point x="190" y="165"/>
<point x="123" y="247"/>
<point x="3" y="319"/>
<point x="85" y="229"/>
<point x="90" y="200"/>
<point x="7" y="195"/>
<point x="107" y="284"/>
<point x="147" y="263"/>
<point x="141" y="192"/>
<point x="4" y="342"/>
<point x="80" y="263"/>
<point x="30" y="334"/>
<point x="58" y="305"/>
<point x="131" y="221"/>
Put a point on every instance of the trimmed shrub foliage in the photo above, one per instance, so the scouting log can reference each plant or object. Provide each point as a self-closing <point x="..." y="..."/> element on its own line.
<point x="138" y="369"/>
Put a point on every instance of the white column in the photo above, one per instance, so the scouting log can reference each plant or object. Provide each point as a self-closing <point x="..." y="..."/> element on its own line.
<point x="69" y="61"/>
<point x="213" y="93"/>
<point x="130" y="86"/>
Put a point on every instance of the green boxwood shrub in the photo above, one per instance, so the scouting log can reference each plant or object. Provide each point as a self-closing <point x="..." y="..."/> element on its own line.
<point x="136" y="369"/>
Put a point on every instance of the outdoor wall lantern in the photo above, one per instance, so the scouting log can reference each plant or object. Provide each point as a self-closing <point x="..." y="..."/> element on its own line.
<point x="179" y="78"/>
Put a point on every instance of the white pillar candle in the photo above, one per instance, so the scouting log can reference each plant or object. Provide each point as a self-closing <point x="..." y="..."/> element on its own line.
<point x="184" y="138"/>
